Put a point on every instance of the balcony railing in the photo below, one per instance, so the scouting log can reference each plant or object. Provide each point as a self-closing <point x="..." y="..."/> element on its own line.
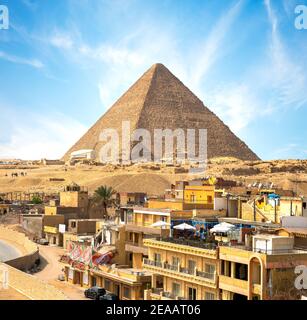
<point x="172" y="267"/>
<point x="188" y="271"/>
<point x="179" y="269"/>
<point x="207" y="275"/>
<point x="153" y="263"/>
<point x="188" y="242"/>
<point x="266" y="251"/>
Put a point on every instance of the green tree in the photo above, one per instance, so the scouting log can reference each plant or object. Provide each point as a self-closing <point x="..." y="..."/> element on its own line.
<point x="37" y="200"/>
<point x="103" y="197"/>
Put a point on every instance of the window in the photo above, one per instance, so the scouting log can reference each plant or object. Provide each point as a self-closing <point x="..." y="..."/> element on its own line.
<point x="210" y="268"/>
<point x="176" y="289"/>
<point x="73" y="224"/>
<point x="131" y="236"/>
<point x="146" y="219"/>
<point x="107" y="285"/>
<point x="304" y="205"/>
<point x="191" y="266"/>
<point x="127" y="293"/>
<point x="209" y="296"/>
<point x="209" y="199"/>
<point x="192" y="294"/>
<point x="175" y="261"/>
<point x="158" y="257"/>
<point x="129" y="216"/>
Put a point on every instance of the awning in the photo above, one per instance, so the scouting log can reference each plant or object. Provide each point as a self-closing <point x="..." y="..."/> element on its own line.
<point x="223" y="227"/>
<point x="184" y="226"/>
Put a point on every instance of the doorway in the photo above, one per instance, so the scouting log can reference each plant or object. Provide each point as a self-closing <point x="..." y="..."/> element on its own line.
<point x="117" y="290"/>
<point x="192" y="294"/>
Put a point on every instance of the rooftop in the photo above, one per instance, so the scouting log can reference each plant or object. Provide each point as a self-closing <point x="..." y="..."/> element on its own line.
<point x="198" y="243"/>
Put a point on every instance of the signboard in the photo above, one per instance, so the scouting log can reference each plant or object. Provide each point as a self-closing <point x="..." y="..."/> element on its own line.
<point x="62" y="228"/>
<point x="79" y="252"/>
<point x="48" y="229"/>
<point x="71" y="274"/>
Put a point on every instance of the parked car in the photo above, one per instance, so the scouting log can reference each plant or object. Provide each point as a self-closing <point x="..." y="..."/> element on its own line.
<point x="109" y="296"/>
<point x="43" y="242"/>
<point x="94" y="293"/>
<point x="61" y="277"/>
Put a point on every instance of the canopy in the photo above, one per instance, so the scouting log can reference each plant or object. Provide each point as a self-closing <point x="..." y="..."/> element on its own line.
<point x="160" y="224"/>
<point x="222" y="227"/>
<point x="273" y="196"/>
<point x="184" y="226"/>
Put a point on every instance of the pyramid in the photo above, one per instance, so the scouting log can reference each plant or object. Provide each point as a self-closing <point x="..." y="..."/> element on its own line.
<point x="158" y="100"/>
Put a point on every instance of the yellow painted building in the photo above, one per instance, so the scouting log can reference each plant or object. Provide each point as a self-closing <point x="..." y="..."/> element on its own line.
<point x="126" y="283"/>
<point x="203" y="195"/>
<point x="181" y="270"/>
<point x="138" y="227"/>
<point x="264" y="271"/>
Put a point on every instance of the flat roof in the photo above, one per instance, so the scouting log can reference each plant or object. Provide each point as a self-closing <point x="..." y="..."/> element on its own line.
<point x="269" y="236"/>
<point x="151" y="211"/>
<point x="296" y="230"/>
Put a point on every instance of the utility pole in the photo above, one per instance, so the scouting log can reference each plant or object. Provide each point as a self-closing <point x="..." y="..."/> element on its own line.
<point x="254" y="209"/>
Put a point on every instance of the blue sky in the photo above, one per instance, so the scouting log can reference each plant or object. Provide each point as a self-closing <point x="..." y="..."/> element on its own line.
<point x="64" y="63"/>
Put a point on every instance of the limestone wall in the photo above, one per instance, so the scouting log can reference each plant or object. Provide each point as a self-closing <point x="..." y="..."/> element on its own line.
<point x="32" y="287"/>
<point x="28" y="249"/>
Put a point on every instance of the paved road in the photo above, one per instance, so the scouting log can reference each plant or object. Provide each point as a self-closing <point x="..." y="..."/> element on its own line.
<point x="51" y="268"/>
<point x="8" y="252"/>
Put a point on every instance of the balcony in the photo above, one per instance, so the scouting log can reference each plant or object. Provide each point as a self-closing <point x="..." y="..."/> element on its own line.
<point x="185" y="246"/>
<point x="233" y="285"/>
<point x="179" y="272"/>
<point x="135" y="248"/>
<point x="159" y="294"/>
<point x="146" y="229"/>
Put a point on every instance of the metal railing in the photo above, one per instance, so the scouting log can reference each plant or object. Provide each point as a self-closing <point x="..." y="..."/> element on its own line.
<point x="264" y="250"/>
<point x="206" y="275"/>
<point x="153" y="263"/>
<point x="190" y="242"/>
<point x="176" y="268"/>
<point x="172" y="267"/>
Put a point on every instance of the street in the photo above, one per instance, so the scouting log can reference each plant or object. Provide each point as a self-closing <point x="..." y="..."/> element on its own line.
<point x="51" y="268"/>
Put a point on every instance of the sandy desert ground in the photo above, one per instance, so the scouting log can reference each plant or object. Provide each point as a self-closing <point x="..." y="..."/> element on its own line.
<point x="289" y="174"/>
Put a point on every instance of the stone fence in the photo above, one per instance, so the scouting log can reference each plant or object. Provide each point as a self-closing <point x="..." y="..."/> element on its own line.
<point x="28" y="249"/>
<point x="30" y="286"/>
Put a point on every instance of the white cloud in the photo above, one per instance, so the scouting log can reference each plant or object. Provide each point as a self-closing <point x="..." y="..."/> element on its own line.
<point x="286" y="76"/>
<point x="61" y="41"/>
<point x="34" y="137"/>
<point x="236" y="104"/>
<point x="14" y="59"/>
<point x="287" y="151"/>
<point x="211" y="50"/>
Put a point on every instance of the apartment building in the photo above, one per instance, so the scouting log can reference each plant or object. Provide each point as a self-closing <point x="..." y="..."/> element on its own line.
<point x="182" y="270"/>
<point x="262" y="269"/>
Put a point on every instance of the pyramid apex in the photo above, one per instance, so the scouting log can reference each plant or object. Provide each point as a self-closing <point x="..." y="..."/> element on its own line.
<point x="158" y="65"/>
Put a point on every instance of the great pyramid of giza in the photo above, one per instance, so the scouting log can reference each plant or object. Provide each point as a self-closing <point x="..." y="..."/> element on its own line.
<point x="158" y="100"/>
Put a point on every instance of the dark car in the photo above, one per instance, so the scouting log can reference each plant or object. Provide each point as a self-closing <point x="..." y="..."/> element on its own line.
<point x="94" y="293"/>
<point x="109" y="296"/>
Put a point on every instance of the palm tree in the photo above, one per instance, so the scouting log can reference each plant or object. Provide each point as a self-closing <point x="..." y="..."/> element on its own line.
<point x="103" y="196"/>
